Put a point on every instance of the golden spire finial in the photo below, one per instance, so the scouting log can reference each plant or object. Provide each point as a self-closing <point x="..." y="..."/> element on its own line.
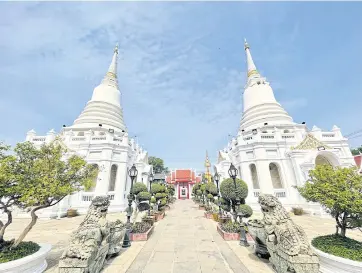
<point x="116" y="49"/>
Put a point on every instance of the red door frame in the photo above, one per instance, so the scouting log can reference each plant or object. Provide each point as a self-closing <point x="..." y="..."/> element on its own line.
<point x="179" y="189"/>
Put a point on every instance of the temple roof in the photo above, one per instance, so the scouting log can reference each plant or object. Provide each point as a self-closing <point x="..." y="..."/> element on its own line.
<point x="310" y="143"/>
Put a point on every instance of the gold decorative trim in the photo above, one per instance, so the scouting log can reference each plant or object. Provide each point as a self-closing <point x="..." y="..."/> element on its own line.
<point x="252" y="72"/>
<point x="310" y="143"/>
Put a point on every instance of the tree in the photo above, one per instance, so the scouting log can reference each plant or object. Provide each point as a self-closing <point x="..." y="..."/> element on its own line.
<point x="356" y="151"/>
<point x="158" y="164"/>
<point x="339" y="191"/>
<point x="41" y="178"/>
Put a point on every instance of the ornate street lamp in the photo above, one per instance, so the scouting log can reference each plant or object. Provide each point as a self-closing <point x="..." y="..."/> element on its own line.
<point x="233" y="172"/>
<point x="217" y="179"/>
<point x="150" y="179"/>
<point x="133" y="174"/>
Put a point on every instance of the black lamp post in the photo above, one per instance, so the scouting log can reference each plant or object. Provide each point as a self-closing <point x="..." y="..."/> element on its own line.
<point x="150" y="179"/>
<point x="203" y="192"/>
<point x="233" y="172"/>
<point x="133" y="174"/>
<point x="217" y="179"/>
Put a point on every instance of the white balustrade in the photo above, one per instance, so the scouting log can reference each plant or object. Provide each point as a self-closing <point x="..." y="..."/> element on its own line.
<point x="280" y="193"/>
<point x="87" y="196"/>
<point x="256" y="193"/>
<point x="111" y="195"/>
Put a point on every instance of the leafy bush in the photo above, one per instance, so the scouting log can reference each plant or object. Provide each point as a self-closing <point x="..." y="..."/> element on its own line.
<point x="225" y="204"/>
<point x="339" y="191"/>
<point x="153" y="200"/>
<point x="162" y="203"/>
<point x="143" y="195"/>
<point x="230" y="227"/>
<point x="141" y="227"/>
<point x="171" y="189"/>
<point x="159" y="196"/>
<point x="22" y="250"/>
<point x="139" y="187"/>
<point x="244" y="210"/>
<point x="228" y="191"/>
<point x="339" y="246"/>
<point x="199" y="192"/>
<point x="208" y="208"/>
<point x="298" y="211"/>
<point x="210" y="197"/>
<point x="157" y="188"/>
<point x="211" y="189"/>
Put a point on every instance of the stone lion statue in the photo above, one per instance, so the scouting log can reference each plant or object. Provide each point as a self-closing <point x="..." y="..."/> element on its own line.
<point x="94" y="240"/>
<point x="285" y="241"/>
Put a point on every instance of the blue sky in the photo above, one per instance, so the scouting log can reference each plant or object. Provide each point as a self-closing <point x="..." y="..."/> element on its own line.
<point x="181" y="68"/>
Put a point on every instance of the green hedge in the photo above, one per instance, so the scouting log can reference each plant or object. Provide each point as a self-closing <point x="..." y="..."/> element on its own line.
<point x="231" y="227"/>
<point x="228" y="192"/>
<point x="157" y="188"/>
<point x="139" y="187"/>
<point x="22" y="250"/>
<point x="143" y="195"/>
<point x="339" y="246"/>
<point x="211" y="188"/>
<point x="245" y="210"/>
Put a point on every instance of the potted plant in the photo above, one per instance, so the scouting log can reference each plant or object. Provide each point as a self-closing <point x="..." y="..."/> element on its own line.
<point x="159" y="191"/>
<point x="339" y="191"/>
<point x="229" y="231"/>
<point x="297" y="211"/>
<point x="72" y="212"/>
<point x="141" y="231"/>
<point x="35" y="179"/>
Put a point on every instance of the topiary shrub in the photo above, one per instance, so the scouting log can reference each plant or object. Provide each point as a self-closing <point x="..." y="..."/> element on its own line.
<point x="22" y="250"/>
<point x="153" y="200"/>
<point x="143" y="196"/>
<point x="228" y="192"/>
<point x="230" y="227"/>
<point x="244" y="211"/>
<point x="339" y="246"/>
<point x="225" y="204"/>
<point x="297" y="211"/>
<point x="211" y="189"/>
<point x="139" y="187"/>
<point x="143" y="206"/>
<point x="141" y="227"/>
<point x="199" y="192"/>
<point x="159" y="196"/>
<point x="157" y="188"/>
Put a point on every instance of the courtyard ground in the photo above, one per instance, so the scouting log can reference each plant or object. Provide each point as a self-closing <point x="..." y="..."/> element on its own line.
<point x="184" y="241"/>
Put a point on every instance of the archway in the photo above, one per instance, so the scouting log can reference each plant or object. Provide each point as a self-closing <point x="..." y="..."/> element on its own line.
<point x="112" y="180"/>
<point x="275" y="176"/>
<point x="95" y="179"/>
<point x="254" y="176"/>
<point x="322" y="160"/>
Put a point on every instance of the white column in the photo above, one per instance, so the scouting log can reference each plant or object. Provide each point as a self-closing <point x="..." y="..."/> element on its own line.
<point x="265" y="182"/>
<point x="120" y="182"/>
<point x="103" y="178"/>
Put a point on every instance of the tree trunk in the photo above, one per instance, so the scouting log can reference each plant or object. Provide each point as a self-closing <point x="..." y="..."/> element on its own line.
<point x="344" y="225"/>
<point x="3" y="227"/>
<point x="33" y="221"/>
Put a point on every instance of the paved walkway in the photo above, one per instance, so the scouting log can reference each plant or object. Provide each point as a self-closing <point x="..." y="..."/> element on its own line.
<point x="185" y="242"/>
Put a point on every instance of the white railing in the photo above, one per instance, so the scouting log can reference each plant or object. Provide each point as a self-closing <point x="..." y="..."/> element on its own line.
<point x="248" y="138"/>
<point x="87" y="196"/>
<point x="39" y="139"/>
<point x="117" y="139"/>
<point x="111" y="195"/>
<point x="288" y="136"/>
<point x="267" y="136"/>
<point x="328" y="135"/>
<point x="256" y="193"/>
<point x="280" y="193"/>
<point x="78" y="138"/>
<point x="98" y="138"/>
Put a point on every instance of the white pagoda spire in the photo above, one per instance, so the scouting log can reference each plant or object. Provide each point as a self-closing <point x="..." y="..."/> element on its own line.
<point x="260" y="105"/>
<point x="111" y="76"/>
<point x="252" y="71"/>
<point x="105" y="106"/>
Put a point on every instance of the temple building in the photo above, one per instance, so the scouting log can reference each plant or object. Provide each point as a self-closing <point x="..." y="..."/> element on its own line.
<point x="183" y="180"/>
<point x="272" y="152"/>
<point x="100" y="135"/>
